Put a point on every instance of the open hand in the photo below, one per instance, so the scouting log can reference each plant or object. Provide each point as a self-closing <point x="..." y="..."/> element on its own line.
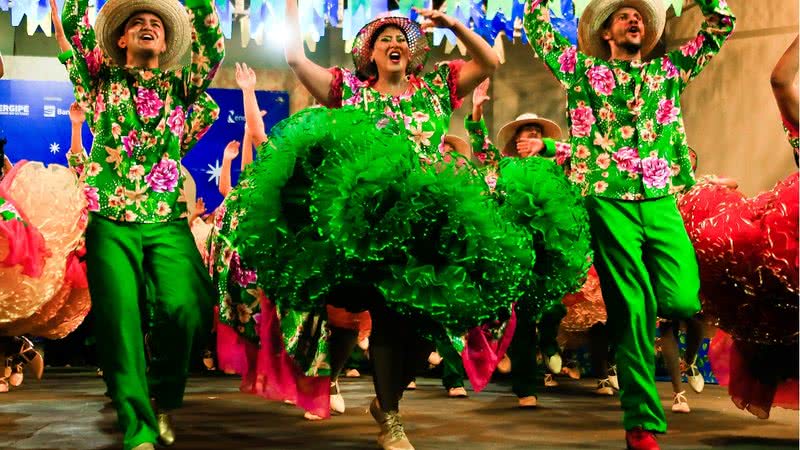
<point x="435" y="19"/>
<point x="479" y="96"/>
<point x="231" y="151"/>
<point x="76" y="114"/>
<point x="199" y="207"/>
<point x="528" y="147"/>
<point x="245" y="77"/>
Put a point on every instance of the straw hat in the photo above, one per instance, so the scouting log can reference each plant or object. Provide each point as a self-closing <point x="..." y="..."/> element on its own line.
<point x="115" y="14"/>
<point x="417" y="43"/>
<point x="590" y="25"/>
<point x="459" y="145"/>
<point x="505" y="137"/>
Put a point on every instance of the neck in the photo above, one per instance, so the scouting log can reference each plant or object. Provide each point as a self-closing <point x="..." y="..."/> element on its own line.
<point x="624" y="54"/>
<point x="142" y="62"/>
<point x="394" y="83"/>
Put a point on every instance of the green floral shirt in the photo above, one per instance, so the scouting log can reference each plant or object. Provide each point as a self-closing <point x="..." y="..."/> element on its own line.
<point x="424" y="110"/>
<point x="138" y="117"/>
<point x="627" y="133"/>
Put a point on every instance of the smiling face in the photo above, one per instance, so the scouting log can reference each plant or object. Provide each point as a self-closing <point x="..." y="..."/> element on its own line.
<point x="390" y="51"/>
<point x="624" y="30"/>
<point x="144" y="36"/>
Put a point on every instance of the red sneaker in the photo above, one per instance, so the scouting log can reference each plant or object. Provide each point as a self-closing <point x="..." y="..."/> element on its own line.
<point x="639" y="439"/>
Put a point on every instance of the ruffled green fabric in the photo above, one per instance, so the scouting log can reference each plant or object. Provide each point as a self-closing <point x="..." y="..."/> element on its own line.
<point x="535" y="195"/>
<point x="333" y="199"/>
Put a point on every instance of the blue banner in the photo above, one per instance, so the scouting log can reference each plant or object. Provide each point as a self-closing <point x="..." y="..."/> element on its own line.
<point x="34" y="116"/>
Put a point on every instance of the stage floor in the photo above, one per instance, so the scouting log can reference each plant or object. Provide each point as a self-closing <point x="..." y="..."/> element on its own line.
<point x="67" y="410"/>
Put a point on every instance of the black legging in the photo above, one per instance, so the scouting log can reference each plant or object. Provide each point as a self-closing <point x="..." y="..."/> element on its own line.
<point x="397" y="352"/>
<point x="341" y="343"/>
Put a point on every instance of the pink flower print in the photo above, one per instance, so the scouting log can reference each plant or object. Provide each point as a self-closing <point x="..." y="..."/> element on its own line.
<point x="242" y="276"/>
<point x="627" y="160"/>
<point x="601" y="78"/>
<point x="692" y="47"/>
<point x="92" y="198"/>
<point x="388" y="112"/>
<point x="667" y="112"/>
<point x="582" y="121"/>
<point x="93" y="60"/>
<point x="176" y="121"/>
<point x="163" y="177"/>
<point x="563" y="152"/>
<point x="568" y="60"/>
<point x="603" y="161"/>
<point x="131" y="141"/>
<point x="219" y="217"/>
<point x="148" y="104"/>
<point x="669" y="68"/>
<point x="491" y="180"/>
<point x="655" y="172"/>
<point x="481" y="157"/>
<point x="382" y="123"/>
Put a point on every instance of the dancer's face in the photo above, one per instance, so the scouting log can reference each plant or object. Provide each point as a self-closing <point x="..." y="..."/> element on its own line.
<point x="391" y="52"/>
<point x="625" y="30"/>
<point x="528" y="132"/>
<point x="144" y="36"/>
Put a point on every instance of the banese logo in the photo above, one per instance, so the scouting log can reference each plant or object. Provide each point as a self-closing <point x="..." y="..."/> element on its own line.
<point x="233" y="118"/>
<point x="53" y="111"/>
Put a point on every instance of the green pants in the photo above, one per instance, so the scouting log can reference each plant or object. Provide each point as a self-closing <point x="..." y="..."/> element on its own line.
<point x="121" y="258"/>
<point x="531" y="337"/>
<point x="647" y="267"/>
<point x="453" y="373"/>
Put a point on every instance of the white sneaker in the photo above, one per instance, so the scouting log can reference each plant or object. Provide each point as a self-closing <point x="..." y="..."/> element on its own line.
<point x="604" y="387"/>
<point x="412" y="386"/>
<point x="695" y="379"/>
<point x="679" y="403"/>
<point x="337" y="401"/>
<point x="613" y="378"/>
<point x="528" y="402"/>
<point x="352" y="373"/>
<point x="549" y="381"/>
<point x="553" y="363"/>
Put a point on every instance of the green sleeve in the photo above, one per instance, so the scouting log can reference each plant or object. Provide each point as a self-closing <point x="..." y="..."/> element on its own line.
<point x="482" y="146"/>
<point x="693" y="56"/>
<point x="208" y="50"/>
<point x="559" y="55"/>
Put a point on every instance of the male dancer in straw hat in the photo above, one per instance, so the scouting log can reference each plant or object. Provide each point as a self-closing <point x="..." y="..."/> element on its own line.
<point x="629" y="155"/>
<point x="136" y="101"/>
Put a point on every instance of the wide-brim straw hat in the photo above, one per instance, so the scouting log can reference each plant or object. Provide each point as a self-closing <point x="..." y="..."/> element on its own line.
<point x="417" y="43"/>
<point x="115" y="14"/>
<point x="459" y="145"/>
<point x="590" y="25"/>
<point x="505" y="138"/>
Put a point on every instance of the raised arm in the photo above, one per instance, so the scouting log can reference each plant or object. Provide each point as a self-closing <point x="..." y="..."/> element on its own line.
<point x="559" y="55"/>
<point x="208" y="50"/>
<point x="314" y="77"/>
<point x="61" y="37"/>
<point x="690" y="59"/>
<point x="482" y="146"/>
<point x="246" y="79"/>
<point x="247" y="142"/>
<point x="85" y="62"/>
<point x="783" y="84"/>
<point x="202" y="115"/>
<point x="76" y="159"/>
<point x="2" y="66"/>
<point x="230" y="153"/>
<point x="484" y="60"/>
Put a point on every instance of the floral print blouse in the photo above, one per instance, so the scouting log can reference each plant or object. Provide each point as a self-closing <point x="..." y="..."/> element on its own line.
<point x="626" y="127"/>
<point x="138" y="117"/>
<point x="424" y="110"/>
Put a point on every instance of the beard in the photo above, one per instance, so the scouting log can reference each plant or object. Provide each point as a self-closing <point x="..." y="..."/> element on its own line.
<point x="631" y="47"/>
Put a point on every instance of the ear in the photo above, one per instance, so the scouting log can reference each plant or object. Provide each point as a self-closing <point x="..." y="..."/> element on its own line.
<point x="606" y="35"/>
<point x="122" y="42"/>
